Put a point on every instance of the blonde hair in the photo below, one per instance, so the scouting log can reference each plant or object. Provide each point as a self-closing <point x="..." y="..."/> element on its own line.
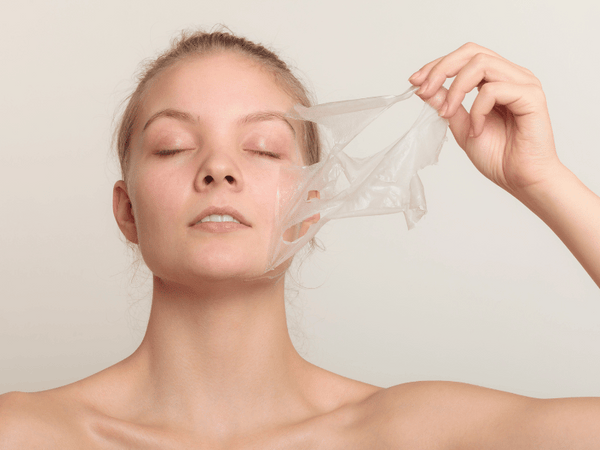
<point x="198" y="43"/>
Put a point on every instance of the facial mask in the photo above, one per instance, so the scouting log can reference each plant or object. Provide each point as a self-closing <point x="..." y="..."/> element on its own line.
<point x="383" y="183"/>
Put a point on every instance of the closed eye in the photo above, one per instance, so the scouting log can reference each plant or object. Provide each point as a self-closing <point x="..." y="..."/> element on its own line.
<point x="168" y="152"/>
<point x="264" y="153"/>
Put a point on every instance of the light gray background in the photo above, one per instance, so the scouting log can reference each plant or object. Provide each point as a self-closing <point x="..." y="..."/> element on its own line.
<point x="480" y="292"/>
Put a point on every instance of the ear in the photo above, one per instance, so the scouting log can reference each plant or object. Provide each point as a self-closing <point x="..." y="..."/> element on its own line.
<point x="312" y="219"/>
<point x="123" y="211"/>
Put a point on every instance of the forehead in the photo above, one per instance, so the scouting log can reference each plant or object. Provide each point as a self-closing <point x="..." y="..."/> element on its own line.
<point x="215" y="87"/>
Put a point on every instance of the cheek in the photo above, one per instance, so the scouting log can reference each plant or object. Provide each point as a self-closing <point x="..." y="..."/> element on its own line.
<point x="157" y="202"/>
<point x="289" y="191"/>
<point x="277" y="195"/>
<point x="262" y="189"/>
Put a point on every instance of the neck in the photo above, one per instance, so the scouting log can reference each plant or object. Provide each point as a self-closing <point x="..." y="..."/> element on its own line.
<point x="223" y="348"/>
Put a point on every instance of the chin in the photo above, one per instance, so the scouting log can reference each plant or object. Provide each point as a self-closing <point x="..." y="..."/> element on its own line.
<point x="221" y="266"/>
<point x="196" y="265"/>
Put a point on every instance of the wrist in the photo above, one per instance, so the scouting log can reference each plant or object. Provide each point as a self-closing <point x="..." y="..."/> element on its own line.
<point x="553" y="180"/>
<point x="553" y="195"/>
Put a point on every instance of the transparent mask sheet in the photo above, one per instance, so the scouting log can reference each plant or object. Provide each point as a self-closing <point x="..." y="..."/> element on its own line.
<point x="341" y="186"/>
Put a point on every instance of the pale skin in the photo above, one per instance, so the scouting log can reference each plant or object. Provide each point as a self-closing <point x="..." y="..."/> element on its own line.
<point x="217" y="368"/>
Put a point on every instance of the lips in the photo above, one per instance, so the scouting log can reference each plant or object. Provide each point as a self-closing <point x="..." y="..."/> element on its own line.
<point x="221" y="211"/>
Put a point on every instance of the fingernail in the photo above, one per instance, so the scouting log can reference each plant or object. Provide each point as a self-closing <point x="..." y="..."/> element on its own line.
<point x="423" y="87"/>
<point x="471" y="131"/>
<point x="443" y="109"/>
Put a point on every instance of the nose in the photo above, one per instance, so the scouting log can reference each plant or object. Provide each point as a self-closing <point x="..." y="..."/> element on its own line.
<point x="219" y="170"/>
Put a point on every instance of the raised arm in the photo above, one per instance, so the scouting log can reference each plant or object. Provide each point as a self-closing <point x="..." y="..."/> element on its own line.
<point x="508" y="137"/>
<point x="446" y="415"/>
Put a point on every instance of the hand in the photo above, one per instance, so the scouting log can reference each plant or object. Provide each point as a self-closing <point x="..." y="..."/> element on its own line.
<point x="507" y="134"/>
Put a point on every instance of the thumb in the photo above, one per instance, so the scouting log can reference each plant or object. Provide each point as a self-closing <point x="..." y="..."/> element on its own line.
<point x="460" y="122"/>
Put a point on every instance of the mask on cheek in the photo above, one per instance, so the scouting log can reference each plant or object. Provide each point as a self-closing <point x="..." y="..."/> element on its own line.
<point x="385" y="182"/>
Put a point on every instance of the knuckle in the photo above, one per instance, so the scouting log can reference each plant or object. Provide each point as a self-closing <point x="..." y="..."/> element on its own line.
<point x="471" y="46"/>
<point x="537" y="92"/>
<point x="532" y="78"/>
<point x="527" y="71"/>
<point x="536" y="82"/>
<point x="480" y="59"/>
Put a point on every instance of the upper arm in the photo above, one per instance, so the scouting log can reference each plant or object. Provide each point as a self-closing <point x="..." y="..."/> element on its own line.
<point x="572" y="423"/>
<point x="515" y="422"/>
<point x="461" y="416"/>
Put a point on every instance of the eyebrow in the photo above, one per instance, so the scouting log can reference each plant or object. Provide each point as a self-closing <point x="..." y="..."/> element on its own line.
<point x="260" y="116"/>
<point x="173" y="113"/>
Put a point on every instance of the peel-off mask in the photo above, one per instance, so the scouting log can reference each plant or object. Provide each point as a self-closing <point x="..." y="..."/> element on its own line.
<point x="342" y="186"/>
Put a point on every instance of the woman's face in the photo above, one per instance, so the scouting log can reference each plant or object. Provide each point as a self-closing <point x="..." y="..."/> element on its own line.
<point x="209" y="146"/>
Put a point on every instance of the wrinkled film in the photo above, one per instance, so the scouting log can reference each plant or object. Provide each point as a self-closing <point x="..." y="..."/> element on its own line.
<point x="341" y="186"/>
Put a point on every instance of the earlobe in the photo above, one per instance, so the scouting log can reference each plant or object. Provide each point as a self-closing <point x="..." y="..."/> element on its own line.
<point x="123" y="211"/>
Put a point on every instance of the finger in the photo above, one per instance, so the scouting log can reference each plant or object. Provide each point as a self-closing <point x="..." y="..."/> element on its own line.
<point x="520" y="100"/>
<point x="480" y="69"/>
<point x="464" y="52"/>
<point x="420" y="75"/>
<point x="450" y="65"/>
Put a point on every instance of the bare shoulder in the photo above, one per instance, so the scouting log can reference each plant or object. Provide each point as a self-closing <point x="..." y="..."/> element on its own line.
<point x="35" y="420"/>
<point x="444" y="415"/>
<point x="426" y="414"/>
<point x="449" y="395"/>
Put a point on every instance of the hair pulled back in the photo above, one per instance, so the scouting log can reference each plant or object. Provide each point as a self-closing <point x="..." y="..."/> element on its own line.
<point x="199" y="43"/>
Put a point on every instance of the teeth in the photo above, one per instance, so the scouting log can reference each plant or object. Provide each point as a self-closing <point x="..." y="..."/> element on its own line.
<point x="219" y="218"/>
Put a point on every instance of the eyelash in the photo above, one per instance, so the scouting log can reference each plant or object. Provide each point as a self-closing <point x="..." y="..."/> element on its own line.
<point x="258" y="152"/>
<point x="269" y="154"/>
<point x="167" y="152"/>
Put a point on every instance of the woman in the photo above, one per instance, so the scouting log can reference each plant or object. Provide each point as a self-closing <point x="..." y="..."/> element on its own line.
<point x="217" y="368"/>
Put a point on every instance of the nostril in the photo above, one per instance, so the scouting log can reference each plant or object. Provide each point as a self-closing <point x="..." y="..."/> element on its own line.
<point x="229" y="179"/>
<point x="208" y="179"/>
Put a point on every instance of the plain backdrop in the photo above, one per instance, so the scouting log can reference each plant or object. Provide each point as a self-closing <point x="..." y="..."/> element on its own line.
<point x="481" y="291"/>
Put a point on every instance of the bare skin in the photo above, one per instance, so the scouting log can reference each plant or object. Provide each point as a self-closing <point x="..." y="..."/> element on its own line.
<point x="217" y="368"/>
